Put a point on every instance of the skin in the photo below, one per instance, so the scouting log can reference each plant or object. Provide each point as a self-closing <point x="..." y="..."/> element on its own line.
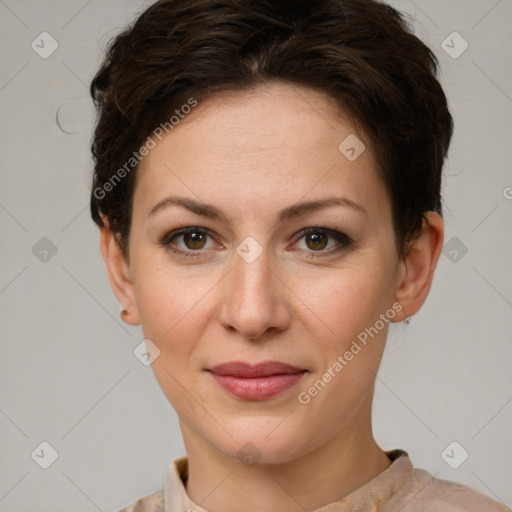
<point x="251" y="154"/>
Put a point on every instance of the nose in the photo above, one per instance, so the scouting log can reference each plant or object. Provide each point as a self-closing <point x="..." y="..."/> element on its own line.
<point x="254" y="299"/>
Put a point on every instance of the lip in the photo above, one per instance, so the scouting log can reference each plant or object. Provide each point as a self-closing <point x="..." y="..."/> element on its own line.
<point x="256" y="382"/>
<point x="246" y="370"/>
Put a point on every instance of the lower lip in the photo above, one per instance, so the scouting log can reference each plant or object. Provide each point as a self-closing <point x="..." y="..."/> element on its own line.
<point x="257" y="388"/>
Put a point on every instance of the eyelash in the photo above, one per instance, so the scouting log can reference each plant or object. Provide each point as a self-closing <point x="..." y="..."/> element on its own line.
<point x="344" y="242"/>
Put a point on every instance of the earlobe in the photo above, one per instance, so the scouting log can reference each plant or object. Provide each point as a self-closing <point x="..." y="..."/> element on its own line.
<point x="419" y="265"/>
<point x="119" y="274"/>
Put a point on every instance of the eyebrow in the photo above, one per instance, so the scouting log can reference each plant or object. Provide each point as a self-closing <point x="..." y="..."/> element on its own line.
<point x="288" y="213"/>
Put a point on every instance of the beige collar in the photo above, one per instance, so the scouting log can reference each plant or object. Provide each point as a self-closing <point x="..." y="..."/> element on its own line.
<point x="372" y="496"/>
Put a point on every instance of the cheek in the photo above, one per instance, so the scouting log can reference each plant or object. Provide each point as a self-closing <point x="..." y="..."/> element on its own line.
<point x="347" y="346"/>
<point x="169" y="302"/>
<point x="172" y="312"/>
<point x="346" y="301"/>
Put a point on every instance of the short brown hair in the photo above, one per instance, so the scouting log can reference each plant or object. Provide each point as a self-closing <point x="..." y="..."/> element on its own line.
<point x="361" y="53"/>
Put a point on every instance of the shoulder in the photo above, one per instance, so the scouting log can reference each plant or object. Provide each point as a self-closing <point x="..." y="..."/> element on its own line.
<point x="429" y="494"/>
<point x="151" y="503"/>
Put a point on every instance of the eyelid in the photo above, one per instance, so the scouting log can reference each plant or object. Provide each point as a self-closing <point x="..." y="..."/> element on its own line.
<point x="183" y="231"/>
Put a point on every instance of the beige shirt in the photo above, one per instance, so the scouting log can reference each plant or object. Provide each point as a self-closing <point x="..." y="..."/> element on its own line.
<point x="400" y="488"/>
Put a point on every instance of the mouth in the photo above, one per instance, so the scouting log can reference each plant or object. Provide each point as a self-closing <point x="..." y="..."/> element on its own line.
<point x="256" y="382"/>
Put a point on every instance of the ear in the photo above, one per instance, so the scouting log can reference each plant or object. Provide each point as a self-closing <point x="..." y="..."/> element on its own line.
<point x="418" y="266"/>
<point x="119" y="274"/>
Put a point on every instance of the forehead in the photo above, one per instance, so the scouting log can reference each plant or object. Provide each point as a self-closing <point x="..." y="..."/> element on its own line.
<point x="267" y="144"/>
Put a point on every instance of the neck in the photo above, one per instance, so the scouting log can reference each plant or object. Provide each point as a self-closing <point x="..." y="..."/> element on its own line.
<point x="218" y="482"/>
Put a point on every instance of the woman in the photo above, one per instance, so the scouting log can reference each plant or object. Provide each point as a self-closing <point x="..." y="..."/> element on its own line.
<point x="267" y="186"/>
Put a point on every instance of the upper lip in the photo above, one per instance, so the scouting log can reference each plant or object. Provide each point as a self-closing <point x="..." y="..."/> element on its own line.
<point x="246" y="370"/>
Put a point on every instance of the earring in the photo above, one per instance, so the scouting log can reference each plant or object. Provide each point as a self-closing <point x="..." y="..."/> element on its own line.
<point x="124" y="312"/>
<point x="407" y="320"/>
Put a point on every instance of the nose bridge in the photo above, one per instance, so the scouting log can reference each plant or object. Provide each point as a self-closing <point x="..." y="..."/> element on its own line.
<point x="252" y="275"/>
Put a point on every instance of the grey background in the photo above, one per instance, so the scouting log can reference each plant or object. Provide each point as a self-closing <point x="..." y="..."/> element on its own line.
<point x="67" y="369"/>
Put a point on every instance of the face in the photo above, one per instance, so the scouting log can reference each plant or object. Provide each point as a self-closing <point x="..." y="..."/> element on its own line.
<point x="264" y="280"/>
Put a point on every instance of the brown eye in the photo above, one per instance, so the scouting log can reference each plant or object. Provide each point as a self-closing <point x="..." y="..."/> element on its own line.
<point x="317" y="241"/>
<point x="194" y="240"/>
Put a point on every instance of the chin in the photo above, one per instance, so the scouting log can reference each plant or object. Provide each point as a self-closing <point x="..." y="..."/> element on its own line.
<point x="258" y="443"/>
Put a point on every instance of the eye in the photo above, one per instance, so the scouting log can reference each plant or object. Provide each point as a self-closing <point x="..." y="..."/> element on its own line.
<point x="194" y="240"/>
<point x="316" y="240"/>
